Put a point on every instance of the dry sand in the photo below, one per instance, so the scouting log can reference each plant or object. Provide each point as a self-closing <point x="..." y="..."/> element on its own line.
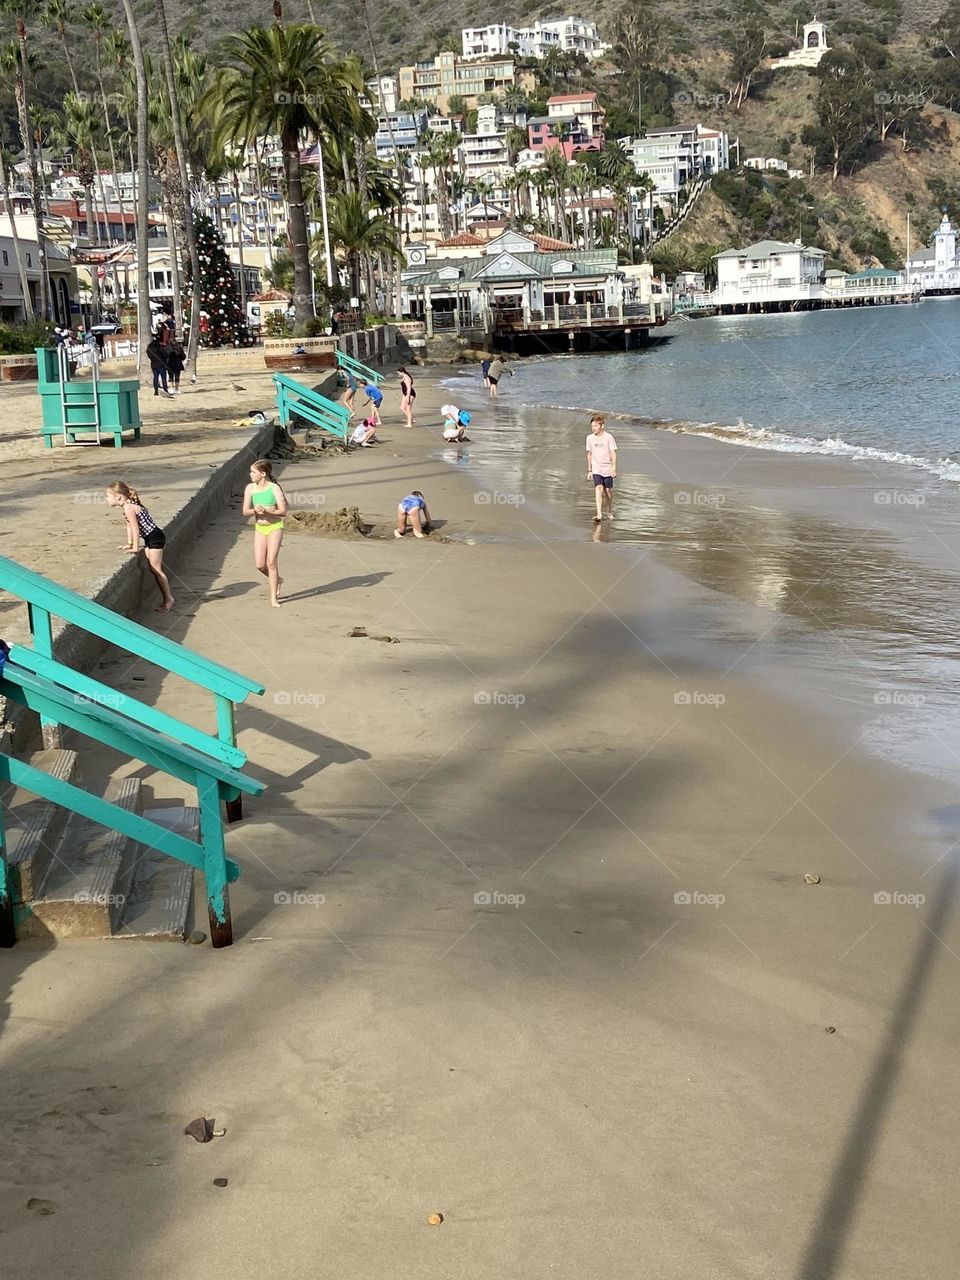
<point x="463" y="981"/>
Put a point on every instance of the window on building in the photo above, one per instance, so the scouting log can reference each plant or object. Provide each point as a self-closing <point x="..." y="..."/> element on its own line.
<point x="6" y="258"/>
<point x="29" y="260"/>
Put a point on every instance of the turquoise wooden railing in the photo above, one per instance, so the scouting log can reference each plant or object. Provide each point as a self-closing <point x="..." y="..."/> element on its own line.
<point x="33" y="678"/>
<point x="294" y="397"/>
<point x="351" y="364"/>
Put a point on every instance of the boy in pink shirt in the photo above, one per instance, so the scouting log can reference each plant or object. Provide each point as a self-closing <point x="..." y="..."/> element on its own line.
<point x="601" y="465"/>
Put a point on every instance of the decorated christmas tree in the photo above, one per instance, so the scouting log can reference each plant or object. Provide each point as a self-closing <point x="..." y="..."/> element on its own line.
<point x="222" y="320"/>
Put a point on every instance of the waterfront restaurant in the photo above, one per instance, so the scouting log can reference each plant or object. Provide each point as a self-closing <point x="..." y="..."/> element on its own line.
<point x="514" y="283"/>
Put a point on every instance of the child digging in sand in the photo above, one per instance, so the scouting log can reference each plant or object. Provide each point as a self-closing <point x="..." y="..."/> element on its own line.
<point x="412" y="508"/>
<point x="140" y="524"/>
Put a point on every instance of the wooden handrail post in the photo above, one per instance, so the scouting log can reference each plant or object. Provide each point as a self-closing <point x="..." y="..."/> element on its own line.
<point x="43" y="643"/>
<point x="214" y="863"/>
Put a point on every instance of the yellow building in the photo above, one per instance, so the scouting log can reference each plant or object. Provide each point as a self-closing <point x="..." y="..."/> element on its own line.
<point x="448" y="75"/>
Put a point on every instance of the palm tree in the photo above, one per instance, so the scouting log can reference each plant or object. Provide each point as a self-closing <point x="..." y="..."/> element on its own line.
<point x="75" y="131"/>
<point x="28" y="307"/>
<point x="279" y="85"/>
<point x="581" y="184"/>
<point x="556" y="168"/>
<point x="515" y="141"/>
<point x="181" y="150"/>
<point x="96" y="19"/>
<point x="358" y="231"/>
<point x="143" y="179"/>
<point x="441" y="154"/>
<point x="20" y="10"/>
<point x="55" y="15"/>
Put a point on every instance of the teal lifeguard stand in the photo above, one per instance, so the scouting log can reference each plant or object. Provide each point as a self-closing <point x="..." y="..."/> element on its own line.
<point x="83" y="412"/>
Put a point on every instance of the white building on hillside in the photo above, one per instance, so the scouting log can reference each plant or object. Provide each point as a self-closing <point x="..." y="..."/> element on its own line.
<point x="937" y="269"/>
<point x="486" y="150"/>
<point x="568" y="35"/>
<point x="769" y="271"/>
<point x="676" y="154"/>
<point x="812" y="48"/>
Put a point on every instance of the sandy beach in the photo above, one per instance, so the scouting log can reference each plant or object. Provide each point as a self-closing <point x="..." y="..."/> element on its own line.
<point x="523" y="935"/>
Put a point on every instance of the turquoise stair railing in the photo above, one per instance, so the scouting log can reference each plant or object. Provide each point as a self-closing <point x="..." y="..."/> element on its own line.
<point x="33" y="678"/>
<point x="293" y="397"/>
<point x="350" y="364"/>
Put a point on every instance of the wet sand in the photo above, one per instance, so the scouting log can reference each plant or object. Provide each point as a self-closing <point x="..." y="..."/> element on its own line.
<point x="567" y="984"/>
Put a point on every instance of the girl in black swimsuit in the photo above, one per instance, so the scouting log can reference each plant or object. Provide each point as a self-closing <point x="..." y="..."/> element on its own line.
<point x="140" y="524"/>
<point x="407" y="394"/>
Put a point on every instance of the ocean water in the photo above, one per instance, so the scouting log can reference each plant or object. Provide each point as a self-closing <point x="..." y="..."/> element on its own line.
<point x="841" y="567"/>
<point x="879" y="383"/>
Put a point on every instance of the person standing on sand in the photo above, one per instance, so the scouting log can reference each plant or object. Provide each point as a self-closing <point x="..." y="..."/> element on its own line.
<point x="264" y="499"/>
<point x="140" y="524"/>
<point x="495" y="373"/>
<point x="350" y="392"/>
<point x="375" y="397"/>
<point x="601" y="465"/>
<point x="407" y="394"/>
<point x="485" y="372"/>
<point x="158" y="356"/>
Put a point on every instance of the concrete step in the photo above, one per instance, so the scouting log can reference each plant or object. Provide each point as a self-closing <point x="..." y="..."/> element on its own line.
<point x="34" y="826"/>
<point x="82" y="893"/>
<point x="157" y="906"/>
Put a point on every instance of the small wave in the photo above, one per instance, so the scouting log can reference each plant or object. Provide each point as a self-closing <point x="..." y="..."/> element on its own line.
<point x="751" y="437"/>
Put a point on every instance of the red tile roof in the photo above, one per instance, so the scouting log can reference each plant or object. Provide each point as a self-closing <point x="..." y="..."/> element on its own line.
<point x="547" y="244"/>
<point x="463" y="240"/>
<point x="572" y="97"/>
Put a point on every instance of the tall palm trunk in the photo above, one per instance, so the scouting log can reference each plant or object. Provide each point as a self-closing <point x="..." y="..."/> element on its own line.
<point x="28" y="307"/>
<point x="299" y="246"/>
<point x="94" y="267"/>
<point x="243" y="272"/>
<point x="193" y="344"/>
<point x="143" y="196"/>
<point x="22" y="94"/>
<point x="398" y="301"/>
<point x="113" y="152"/>
<point x="176" y="275"/>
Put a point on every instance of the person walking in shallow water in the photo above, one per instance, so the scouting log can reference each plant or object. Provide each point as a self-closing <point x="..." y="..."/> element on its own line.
<point x="264" y="500"/>
<point x="601" y="465"/>
<point x="495" y="373"/>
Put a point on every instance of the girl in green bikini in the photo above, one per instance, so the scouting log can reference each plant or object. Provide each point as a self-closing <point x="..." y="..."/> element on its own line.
<point x="263" y="498"/>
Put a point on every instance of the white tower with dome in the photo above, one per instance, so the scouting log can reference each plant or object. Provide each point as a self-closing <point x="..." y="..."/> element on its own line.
<point x="811" y="50"/>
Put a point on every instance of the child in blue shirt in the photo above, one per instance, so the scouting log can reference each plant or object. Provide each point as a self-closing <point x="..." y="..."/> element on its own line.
<point x="375" y="397"/>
